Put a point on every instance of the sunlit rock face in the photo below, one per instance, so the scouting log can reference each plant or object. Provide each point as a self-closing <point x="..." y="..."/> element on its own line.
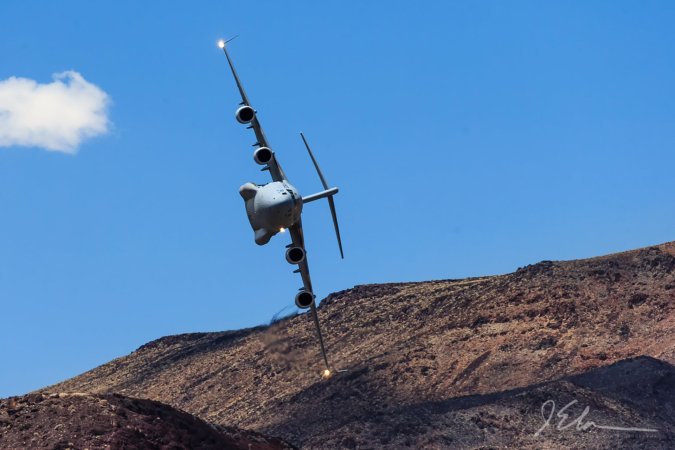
<point x="440" y="364"/>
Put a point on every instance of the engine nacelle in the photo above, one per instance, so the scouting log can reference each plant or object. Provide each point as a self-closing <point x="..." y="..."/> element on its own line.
<point x="245" y="114"/>
<point x="304" y="299"/>
<point x="295" y="255"/>
<point x="262" y="155"/>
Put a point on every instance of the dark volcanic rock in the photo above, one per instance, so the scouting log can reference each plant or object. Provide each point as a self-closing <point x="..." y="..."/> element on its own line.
<point x="439" y="364"/>
<point x="79" y="421"/>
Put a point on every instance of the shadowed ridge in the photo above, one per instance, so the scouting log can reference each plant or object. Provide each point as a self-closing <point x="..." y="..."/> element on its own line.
<point x="407" y="346"/>
<point x="635" y="392"/>
<point x="81" y="420"/>
<point x="198" y="339"/>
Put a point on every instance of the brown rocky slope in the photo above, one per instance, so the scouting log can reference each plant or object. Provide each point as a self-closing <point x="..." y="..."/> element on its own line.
<point x="111" y="421"/>
<point x="440" y="364"/>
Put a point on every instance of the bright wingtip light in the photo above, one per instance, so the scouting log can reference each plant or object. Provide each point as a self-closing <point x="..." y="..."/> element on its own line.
<point x="221" y="44"/>
<point x="326" y="374"/>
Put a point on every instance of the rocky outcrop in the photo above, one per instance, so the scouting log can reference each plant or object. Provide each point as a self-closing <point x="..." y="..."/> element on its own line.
<point x="111" y="421"/>
<point x="438" y="364"/>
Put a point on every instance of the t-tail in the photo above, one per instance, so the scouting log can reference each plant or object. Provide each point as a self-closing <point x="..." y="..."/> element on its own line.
<point x="326" y="193"/>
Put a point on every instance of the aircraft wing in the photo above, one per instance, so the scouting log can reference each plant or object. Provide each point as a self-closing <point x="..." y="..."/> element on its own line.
<point x="273" y="165"/>
<point x="299" y="241"/>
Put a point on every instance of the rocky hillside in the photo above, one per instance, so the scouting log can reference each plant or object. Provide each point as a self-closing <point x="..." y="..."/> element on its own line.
<point x="440" y="364"/>
<point x="111" y="421"/>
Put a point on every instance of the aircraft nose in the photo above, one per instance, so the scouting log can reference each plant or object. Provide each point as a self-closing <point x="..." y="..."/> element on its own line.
<point x="248" y="191"/>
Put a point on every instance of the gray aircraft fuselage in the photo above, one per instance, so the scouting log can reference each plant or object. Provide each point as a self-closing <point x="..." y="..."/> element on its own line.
<point x="276" y="206"/>
<point x="271" y="208"/>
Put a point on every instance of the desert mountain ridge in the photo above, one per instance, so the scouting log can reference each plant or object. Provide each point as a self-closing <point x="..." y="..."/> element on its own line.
<point x="469" y="363"/>
<point x="61" y="421"/>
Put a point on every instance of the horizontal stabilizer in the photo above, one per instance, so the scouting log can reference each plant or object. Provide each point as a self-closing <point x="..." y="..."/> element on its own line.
<point x="331" y="204"/>
<point x="328" y="193"/>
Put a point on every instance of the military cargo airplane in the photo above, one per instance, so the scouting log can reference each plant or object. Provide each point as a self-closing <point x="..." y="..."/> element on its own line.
<point x="277" y="206"/>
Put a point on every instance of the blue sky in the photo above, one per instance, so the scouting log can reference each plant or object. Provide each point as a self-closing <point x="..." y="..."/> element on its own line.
<point x="467" y="138"/>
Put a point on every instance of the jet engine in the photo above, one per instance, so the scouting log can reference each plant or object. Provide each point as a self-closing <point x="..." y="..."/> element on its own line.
<point x="295" y="255"/>
<point x="245" y="114"/>
<point x="304" y="299"/>
<point x="262" y="155"/>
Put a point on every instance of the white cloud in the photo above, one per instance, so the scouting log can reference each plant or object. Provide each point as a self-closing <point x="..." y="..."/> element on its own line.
<point x="55" y="116"/>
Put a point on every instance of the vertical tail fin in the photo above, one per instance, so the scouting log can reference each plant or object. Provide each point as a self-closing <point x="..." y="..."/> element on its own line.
<point x="331" y="203"/>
